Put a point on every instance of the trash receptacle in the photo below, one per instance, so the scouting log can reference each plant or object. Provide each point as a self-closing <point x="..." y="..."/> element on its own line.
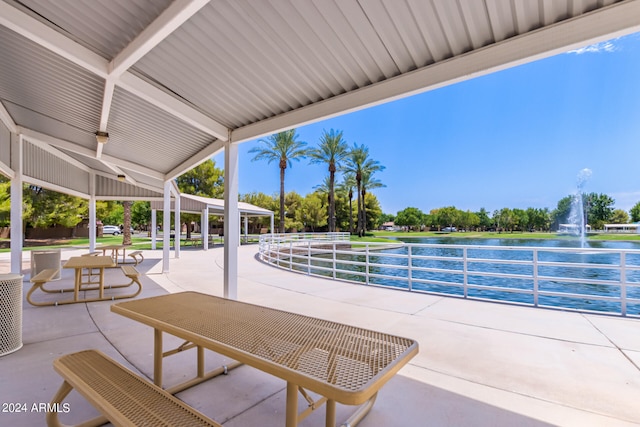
<point x="43" y="259"/>
<point x="10" y="313"/>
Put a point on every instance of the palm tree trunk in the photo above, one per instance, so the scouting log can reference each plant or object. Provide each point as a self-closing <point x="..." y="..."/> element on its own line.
<point x="126" y="232"/>
<point x="359" y="226"/>
<point x="332" y="203"/>
<point x="281" y="198"/>
<point x="350" y="212"/>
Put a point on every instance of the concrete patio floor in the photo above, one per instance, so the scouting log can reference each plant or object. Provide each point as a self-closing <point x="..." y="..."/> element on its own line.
<point x="480" y="364"/>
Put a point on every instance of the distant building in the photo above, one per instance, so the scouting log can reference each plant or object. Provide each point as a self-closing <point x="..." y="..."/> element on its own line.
<point x="622" y="228"/>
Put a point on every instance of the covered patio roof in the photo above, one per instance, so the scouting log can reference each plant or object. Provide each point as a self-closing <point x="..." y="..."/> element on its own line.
<point x="168" y="84"/>
<point x="196" y="204"/>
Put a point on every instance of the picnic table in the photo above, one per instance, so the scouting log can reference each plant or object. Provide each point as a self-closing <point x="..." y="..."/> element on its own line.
<point x="342" y="363"/>
<point x="115" y="250"/>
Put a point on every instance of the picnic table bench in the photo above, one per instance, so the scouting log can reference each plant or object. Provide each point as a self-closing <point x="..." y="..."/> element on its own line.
<point x="122" y="397"/>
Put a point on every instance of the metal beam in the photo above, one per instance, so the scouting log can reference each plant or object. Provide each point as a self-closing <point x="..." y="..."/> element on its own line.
<point x="87" y="152"/>
<point x="172" y="18"/>
<point x="203" y="155"/>
<point x="56" y="152"/>
<point x="6" y="118"/>
<point x="150" y="93"/>
<point x="602" y="24"/>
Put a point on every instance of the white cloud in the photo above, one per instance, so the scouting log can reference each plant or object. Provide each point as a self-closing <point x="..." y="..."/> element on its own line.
<point x="607" y="46"/>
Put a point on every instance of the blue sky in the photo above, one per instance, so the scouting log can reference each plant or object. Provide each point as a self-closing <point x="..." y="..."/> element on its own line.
<point x="517" y="138"/>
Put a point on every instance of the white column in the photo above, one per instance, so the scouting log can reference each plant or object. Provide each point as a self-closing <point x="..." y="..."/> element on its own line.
<point x="166" y="226"/>
<point x="231" y="220"/>
<point x="177" y="225"/>
<point x="272" y="232"/>
<point x="154" y="228"/>
<point x="17" y="234"/>
<point x="92" y="212"/>
<point x="204" y="225"/>
<point x="246" y="229"/>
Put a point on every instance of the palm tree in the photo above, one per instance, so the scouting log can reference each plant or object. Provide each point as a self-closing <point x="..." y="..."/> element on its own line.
<point x="126" y="231"/>
<point x="346" y="186"/>
<point x="283" y="147"/>
<point x="332" y="150"/>
<point x="368" y="183"/>
<point x="359" y="163"/>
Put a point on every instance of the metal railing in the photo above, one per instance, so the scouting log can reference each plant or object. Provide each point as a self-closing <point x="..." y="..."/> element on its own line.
<point x="591" y="280"/>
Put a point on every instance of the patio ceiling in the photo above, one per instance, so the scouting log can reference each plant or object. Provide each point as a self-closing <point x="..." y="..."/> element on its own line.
<point x="172" y="82"/>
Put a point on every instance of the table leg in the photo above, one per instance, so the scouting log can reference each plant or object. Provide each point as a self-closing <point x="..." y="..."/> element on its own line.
<point x="330" y="420"/>
<point x="157" y="357"/>
<point x="292" y="405"/>
<point x="76" y="285"/>
<point x="101" y="284"/>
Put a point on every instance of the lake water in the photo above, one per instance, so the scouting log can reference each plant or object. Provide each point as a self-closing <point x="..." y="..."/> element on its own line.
<point x="390" y="268"/>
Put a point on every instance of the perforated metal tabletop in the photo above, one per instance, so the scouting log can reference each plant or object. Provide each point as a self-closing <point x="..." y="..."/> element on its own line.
<point x="344" y="363"/>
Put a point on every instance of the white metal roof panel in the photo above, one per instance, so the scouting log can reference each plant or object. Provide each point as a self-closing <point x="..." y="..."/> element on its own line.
<point x="107" y="188"/>
<point x="38" y="80"/>
<point x="142" y="133"/>
<point x="48" y="168"/>
<point x="106" y="27"/>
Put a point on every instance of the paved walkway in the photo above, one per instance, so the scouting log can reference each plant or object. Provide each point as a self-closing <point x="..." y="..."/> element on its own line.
<point x="480" y="364"/>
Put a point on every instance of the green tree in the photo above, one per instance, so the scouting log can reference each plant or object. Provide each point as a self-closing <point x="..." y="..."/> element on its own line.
<point x="110" y="212"/>
<point x="447" y="216"/>
<point x="369" y="183"/>
<point x="264" y="201"/>
<point x="483" y="218"/>
<point x="5" y="202"/>
<point x="469" y="220"/>
<point x="372" y="206"/>
<point x="204" y="180"/>
<point x="140" y="214"/>
<point x="599" y="209"/>
<point x="619" y="217"/>
<point x="358" y="163"/>
<point x="410" y="217"/>
<point x="561" y="213"/>
<point x="635" y="212"/>
<point x="48" y="208"/>
<point x="311" y="212"/>
<point x="333" y="150"/>
<point x="281" y="147"/>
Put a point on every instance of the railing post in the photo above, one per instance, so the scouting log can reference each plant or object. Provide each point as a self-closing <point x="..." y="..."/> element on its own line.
<point x="290" y="256"/>
<point x="409" y="272"/>
<point x="535" y="277"/>
<point x="309" y="258"/>
<point x="623" y="283"/>
<point x="334" y="260"/>
<point x="367" y="264"/>
<point x="464" y="272"/>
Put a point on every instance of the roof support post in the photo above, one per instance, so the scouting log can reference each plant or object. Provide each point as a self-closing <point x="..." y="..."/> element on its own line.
<point x="231" y="220"/>
<point x="166" y="226"/>
<point x="204" y="228"/>
<point x="246" y="229"/>
<point x="271" y="223"/>
<point x="92" y="212"/>
<point x="17" y="233"/>
<point x="154" y="228"/>
<point x="177" y="225"/>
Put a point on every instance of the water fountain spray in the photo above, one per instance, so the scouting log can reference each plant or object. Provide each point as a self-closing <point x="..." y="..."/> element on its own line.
<point x="577" y="215"/>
